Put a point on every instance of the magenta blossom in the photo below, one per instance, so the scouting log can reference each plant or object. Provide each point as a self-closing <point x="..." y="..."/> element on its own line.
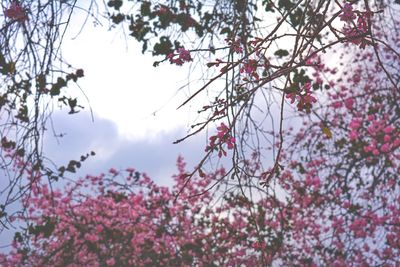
<point x="16" y="12"/>
<point x="347" y="13"/>
<point x="222" y="137"/>
<point x="183" y="56"/>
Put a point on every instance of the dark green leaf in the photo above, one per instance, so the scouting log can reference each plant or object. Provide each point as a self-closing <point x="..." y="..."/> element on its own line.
<point x="281" y="53"/>
<point x="164" y="47"/>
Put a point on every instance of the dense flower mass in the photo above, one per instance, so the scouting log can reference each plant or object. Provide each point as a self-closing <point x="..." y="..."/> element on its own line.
<point x="134" y="222"/>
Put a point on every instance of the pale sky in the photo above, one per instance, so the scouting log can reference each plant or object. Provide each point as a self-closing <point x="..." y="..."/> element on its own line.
<point x="123" y="86"/>
<point x="134" y="105"/>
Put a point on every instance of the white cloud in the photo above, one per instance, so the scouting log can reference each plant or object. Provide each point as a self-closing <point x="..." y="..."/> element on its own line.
<point x="123" y="86"/>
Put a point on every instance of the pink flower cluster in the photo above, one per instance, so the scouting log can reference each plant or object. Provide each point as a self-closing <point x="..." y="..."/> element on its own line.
<point x="347" y="13"/>
<point x="382" y="138"/>
<point x="250" y="68"/>
<point x="183" y="56"/>
<point x="16" y="12"/>
<point x="303" y="96"/>
<point x="223" y="137"/>
<point x="355" y="31"/>
<point x="354" y="125"/>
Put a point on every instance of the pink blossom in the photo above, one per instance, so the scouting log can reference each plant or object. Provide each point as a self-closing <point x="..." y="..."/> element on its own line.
<point x="99" y="229"/>
<point x="316" y="182"/>
<point x="349" y="102"/>
<point x="337" y="104"/>
<point x="250" y="68"/>
<point x="113" y="171"/>
<point x="183" y="56"/>
<point x="303" y="96"/>
<point x="385" y="148"/>
<point x="388" y="130"/>
<point x="355" y="124"/>
<point x="223" y="136"/>
<point x="386" y="138"/>
<point x="347" y="13"/>
<point x="353" y="135"/>
<point x="362" y="24"/>
<point x="230" y="142"/>
<point x="110" y="262"/>
<point x="396" y="142"/>
<point x="16" y="12"/>
<point x="292" y="97"/>
<point x="91" y="238"/>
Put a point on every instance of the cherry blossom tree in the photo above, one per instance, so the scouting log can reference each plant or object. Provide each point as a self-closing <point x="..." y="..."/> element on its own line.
<point x="306" y="105"/>
<point x="317" y="212"/>
<point x="125" y="219"/>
